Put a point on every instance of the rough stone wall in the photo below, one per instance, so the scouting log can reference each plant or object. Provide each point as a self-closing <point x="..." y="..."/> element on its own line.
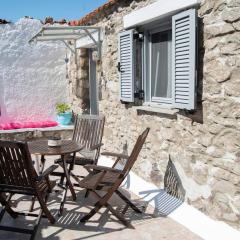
<point x="78" y="81"/>
<point x="204" y="146"/>
<point x="32" y="77"/>
<point x="32" y="135"/>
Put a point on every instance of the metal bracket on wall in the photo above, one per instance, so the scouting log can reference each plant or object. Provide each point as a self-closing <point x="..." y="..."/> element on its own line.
<point x="67" y="34"/>
<point x="68" y="45"/>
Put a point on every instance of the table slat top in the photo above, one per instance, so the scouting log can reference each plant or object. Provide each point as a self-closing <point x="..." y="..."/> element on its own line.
<point x="41" y="147"/>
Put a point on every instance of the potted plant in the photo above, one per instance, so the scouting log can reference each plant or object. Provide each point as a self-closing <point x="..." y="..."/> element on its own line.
<point x="64" y="114"/>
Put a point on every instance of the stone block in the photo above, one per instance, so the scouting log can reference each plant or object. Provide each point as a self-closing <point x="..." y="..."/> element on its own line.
<point x="230" y="49"/>
<point x="233" y="3"/>
<point x="200" y="173"/>
<point x="113" y="86"/>
<point x="83" y="62"/>
<point x="231" y="14"/>
<point x="217" y="70"/>
<point x="230" y="217"/>
<point x="236" y="25"/>
<point x="218" y="29"/>
<point x="224" y="186"/>
<point x="206" y="7"/>
<point x="205" y="140"/>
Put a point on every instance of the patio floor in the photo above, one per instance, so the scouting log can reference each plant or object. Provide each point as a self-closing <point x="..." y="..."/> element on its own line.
<point x="102" y="226"/>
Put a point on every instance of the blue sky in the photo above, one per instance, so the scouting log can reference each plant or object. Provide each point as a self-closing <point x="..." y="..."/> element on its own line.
<point x="58" y="9"/>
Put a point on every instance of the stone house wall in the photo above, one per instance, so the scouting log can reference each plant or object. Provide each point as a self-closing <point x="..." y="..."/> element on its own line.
<point x="204" y="145"/>
<point x="78" y="81"/>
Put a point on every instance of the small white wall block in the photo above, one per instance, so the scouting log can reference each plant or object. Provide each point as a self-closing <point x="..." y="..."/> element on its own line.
<point x="155" y="11"/>
<point x="32" y="77"/>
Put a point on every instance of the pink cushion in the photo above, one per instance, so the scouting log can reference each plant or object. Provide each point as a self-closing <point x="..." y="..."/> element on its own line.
<point x="30" y="125"/>
<point x="50" y="124"/>
<point x="6" y="126"/>
<point x="17" y="125"/>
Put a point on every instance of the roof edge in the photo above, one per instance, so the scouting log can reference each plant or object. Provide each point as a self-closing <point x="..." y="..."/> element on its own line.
<point x="87" y="18"/>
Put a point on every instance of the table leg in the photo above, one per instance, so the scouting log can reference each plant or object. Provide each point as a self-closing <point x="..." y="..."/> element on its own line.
<point x="62" y="201"/>
<point x="68" y="185"/>
<point x="43" y="160"/>
<point x="40" y="168"/>
<point x="40" y="163"/>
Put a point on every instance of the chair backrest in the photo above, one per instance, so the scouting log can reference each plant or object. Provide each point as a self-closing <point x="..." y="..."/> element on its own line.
<point x="135" y="152"/>
<point x="16" y="167"/>
<point x="88" y="130"/>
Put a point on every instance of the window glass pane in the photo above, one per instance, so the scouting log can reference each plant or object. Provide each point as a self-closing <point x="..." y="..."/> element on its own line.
<point x="161" y="64"/>
<point x="138" y="65"/>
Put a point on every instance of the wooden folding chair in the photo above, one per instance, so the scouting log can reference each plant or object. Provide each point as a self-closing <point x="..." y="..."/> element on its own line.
<point x="88" y="131"/>
<point x="109" y="180"/>
<point x="18" y="176"/>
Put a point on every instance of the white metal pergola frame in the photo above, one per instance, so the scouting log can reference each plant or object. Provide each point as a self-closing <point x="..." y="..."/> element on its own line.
<point x="67" y="34"/>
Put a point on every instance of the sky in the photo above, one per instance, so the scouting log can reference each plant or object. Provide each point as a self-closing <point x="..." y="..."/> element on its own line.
<point x="12" y="10"/>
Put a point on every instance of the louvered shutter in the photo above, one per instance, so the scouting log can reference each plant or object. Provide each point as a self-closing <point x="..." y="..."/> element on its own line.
<point x="126" y="66"/>
<point x="184" y="59"/>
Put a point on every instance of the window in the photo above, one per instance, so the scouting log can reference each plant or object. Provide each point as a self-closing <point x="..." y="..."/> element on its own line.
<point x="163" y="65"/>
<point x="160" y="66"/>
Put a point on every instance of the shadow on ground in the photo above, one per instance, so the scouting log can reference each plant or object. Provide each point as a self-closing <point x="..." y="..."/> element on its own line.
<point x="103" y="225"/>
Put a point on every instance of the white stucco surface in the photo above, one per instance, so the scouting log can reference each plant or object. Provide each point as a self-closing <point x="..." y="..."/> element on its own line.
<point x="32" y="77"/>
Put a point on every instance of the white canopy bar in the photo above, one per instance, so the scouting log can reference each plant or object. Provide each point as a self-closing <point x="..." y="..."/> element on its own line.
<point x="68" y="33"/>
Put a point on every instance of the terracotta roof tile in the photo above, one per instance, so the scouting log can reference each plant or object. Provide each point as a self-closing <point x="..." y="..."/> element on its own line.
<point x="94" y="13"/>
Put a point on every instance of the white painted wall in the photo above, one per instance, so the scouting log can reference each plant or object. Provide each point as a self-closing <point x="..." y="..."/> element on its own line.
<point x="32" y="77"/>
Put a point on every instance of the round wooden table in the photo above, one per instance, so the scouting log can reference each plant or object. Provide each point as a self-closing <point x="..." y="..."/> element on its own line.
<point x="41" y="147"/>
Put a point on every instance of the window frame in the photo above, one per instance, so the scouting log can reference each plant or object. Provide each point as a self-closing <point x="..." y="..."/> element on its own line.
<point x="147" y="55"/>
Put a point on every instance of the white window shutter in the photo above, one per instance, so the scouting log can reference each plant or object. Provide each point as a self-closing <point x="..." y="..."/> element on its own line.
<point x="184" y="59"/>
<point x="126" y="65"/>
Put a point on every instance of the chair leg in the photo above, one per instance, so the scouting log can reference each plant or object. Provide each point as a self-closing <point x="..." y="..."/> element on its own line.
<point x="126" y="200"/>
<point x="103" y="202"/>
<point x="112" y="210"/>
<point x="98" y="206"/>
<point x="45" y="209"/>
<point x="35" y="228"/>
<point x="6" y="207"/>
<point x="87" y="193"/>
<point x="61" y="182"/>
<point x="32" y="204"/>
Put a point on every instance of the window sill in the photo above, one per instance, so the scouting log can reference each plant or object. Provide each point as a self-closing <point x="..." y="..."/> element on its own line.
<point x="158" y="111"/>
